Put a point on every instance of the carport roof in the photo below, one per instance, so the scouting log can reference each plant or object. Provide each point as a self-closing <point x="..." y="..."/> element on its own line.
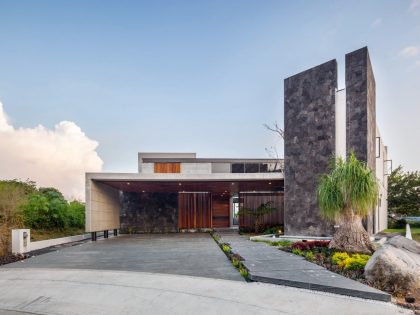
<point x="214" y="183"/>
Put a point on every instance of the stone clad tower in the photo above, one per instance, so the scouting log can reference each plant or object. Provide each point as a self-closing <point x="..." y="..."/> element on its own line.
<point x="313" y="134"/>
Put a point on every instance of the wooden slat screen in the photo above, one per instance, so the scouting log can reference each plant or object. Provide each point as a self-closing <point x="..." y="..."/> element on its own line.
<point x="167" y="167"/>
<point x="221" y="212"/>
<point x="252" y="201"/>
<point x="194" y="210"/>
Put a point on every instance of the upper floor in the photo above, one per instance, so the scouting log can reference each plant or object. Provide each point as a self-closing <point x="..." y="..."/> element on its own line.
<point x="188" y="163"/>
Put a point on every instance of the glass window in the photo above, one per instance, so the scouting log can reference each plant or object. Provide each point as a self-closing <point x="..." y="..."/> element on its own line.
<point x="252" y="168"/>
<point x="238" y="168"/>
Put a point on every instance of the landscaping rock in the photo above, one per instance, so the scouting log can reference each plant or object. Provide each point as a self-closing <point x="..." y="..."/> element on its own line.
<point x="395" y="267"/>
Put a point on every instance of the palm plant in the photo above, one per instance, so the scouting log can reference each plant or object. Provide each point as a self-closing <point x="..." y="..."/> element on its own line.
<point x="347" y="195"/>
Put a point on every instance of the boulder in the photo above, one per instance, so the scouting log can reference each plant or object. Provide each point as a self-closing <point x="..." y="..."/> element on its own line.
<point x="395" y="266"/>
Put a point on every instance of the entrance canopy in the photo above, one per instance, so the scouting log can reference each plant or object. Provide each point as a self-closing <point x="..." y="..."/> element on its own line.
<point x="215" y="187"/>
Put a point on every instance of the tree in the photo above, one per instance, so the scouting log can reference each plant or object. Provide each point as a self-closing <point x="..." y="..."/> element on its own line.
<point x="258" y="213"/>
<point x="404" y="192"/>
<point x="347" y="195"/>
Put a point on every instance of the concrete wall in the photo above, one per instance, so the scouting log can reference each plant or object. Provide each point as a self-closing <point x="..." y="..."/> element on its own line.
<point x="309" y="137"/>
<point x="196" y="168"/>
<point x="160" y="155"/>
<point x="361" y="111"/>
<point x="340" y="124"/>
<point x="381" y="210"/>
<point x="102" y="207"/>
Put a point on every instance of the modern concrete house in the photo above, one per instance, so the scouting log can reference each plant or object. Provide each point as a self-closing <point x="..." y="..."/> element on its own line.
<point x="178" y="191"/>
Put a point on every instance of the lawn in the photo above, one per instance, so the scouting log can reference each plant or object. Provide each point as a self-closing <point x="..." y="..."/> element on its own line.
<point x="415" y="232"/>
<point x="40" y="235"/>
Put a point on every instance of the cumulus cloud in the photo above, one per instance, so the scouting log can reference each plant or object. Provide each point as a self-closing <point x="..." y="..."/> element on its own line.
<point x="56" y="157"/>
<point x="410" y="51"/>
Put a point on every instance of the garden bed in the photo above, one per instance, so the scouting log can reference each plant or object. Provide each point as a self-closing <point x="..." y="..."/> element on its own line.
<point x="11" y="258"/>
<point x="347" y="265"/>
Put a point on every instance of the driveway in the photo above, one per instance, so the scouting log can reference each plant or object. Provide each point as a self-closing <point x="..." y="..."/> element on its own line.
<point x="63" y="292"/>
<point x="180" y="254"/>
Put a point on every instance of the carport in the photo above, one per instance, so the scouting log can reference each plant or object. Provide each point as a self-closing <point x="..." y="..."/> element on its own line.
<point x="136" y="203"/>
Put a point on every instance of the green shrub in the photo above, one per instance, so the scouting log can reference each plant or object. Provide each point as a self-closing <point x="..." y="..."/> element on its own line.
<point x="310" y="256"/>
<point x="243" y="272"/>
<point x="226" y="248"/>
<point x="76" y="214"/>
<point x="353" y="262"/>
<point x="356" y="262"/>
<point x="298" y="251"/>
<point x="340" y="258"/>
<point x="236" y="263"/>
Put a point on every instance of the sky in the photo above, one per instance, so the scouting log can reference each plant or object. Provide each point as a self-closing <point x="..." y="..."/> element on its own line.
<point x="107" y="79"/>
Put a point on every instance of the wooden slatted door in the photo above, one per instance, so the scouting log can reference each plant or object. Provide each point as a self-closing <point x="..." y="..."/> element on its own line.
<point x="194" y="210"/>
<point x="221" y="211"/>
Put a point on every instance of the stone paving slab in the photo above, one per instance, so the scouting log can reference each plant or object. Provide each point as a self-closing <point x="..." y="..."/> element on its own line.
<point x="268" y="264"/>
<point x="182" y="254"/>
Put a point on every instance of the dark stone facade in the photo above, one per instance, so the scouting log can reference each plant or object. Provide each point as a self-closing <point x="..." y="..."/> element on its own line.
<point x="149" y="212"/>
<point x="361" y="111"/>
<point x="360" y="103"/>
<point x="309" y="138"/>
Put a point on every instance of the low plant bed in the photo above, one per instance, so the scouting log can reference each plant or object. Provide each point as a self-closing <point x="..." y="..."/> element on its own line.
<point x="41" y="235"/>
<point x="235" y="259"/>
<point x="318" y="252"/>
<point x="11" y="258"/>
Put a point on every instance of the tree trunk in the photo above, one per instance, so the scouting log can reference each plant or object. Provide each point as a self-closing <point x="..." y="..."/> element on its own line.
<point x="351" y="236"/>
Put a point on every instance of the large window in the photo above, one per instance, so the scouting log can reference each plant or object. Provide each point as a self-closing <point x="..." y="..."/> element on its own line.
<point x="272" y="167"/>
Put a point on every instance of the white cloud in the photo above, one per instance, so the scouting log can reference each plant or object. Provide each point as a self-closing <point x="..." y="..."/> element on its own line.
<point x="377" y="22"/>
<point x="56" y="157"/>
<point x="410" y="51"/>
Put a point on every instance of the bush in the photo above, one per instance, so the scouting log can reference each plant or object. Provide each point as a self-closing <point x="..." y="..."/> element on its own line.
<point x="353" y="262"/>
<point x="310" y="245"/>
<point x="226" y="248"/>
<point x="298" y="251"/>
<point x="273" y="229"/>
<point x="47" y="209"/>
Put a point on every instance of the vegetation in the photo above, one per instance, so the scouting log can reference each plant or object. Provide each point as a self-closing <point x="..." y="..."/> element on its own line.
<point x="415" y="232"/>
<point x="44" y="210"/>
<point x="349" y="262"/>
<point x="404" y="192"/>
<point x="347" y="195"/>
<point x="226" y="248"/>
<point x="258" y="214"/>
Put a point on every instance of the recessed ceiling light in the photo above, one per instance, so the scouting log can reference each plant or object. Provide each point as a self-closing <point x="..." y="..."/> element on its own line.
<point x="179" y="184"/>
<point x="233" y="183"/>
<point x="128" y="184"/>
<point x="143" y="191"/>
<point x="269" y="183"/>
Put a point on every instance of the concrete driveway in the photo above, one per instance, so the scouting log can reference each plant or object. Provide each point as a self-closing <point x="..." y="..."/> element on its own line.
<point x="63" y="292"/>
<point x="181" y="254"/>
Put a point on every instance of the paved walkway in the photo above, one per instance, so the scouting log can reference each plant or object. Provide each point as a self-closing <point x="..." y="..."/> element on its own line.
<point x="63" y="292"/>
<point x="268" y="264"/>
<point x="183" y="254"/>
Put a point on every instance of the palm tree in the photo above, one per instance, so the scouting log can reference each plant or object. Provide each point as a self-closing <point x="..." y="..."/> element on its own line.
<point x="346" y="196"/>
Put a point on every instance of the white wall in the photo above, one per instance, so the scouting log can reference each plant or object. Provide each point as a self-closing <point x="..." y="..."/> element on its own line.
<point x="102" y="207"/>
<point x="196" y="168"/>
<point x="381" y="210"/>
<point x="340" y="123"/>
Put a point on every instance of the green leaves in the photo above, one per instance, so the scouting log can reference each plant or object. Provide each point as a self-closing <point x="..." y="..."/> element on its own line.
<point x="404" y="192"/>
<point x="350" y="186"/>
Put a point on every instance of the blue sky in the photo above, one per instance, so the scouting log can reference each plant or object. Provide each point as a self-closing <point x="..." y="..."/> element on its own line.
<point x="198" y="76"/>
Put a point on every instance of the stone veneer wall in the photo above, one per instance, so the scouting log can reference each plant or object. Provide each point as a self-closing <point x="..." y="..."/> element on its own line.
<point x="361" y="111"/>
<point x="149" y="212"/>
<point x="309" y="137"/>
